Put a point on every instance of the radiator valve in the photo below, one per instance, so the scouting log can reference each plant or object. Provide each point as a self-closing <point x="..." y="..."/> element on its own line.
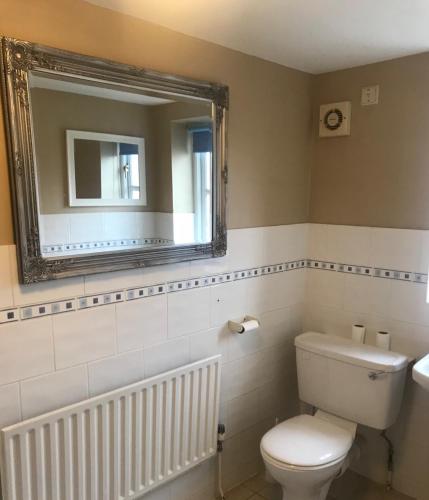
<point x="220" y="437"/>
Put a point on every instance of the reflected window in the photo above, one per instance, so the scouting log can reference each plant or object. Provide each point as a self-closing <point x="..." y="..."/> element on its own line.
<point x="105" y="169"/>
<point x="202" y="160"/>
<point x="130" y="176"/>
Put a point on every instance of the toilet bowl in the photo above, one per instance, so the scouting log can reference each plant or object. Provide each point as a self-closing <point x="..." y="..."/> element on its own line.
<point x="354" y="384"/>
<point x="306" y="453"/>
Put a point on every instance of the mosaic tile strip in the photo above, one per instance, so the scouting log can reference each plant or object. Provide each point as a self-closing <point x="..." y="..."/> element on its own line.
<point x="353" y="269"/>
<point x="9" y="315"/>
<point x="84" y="302"/>
<point x="368" y="271"/>
<point x="95" y="245"/>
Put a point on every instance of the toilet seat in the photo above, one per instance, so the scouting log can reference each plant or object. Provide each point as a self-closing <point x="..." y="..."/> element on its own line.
<point x="290" y="467"/>
<point x="306" y="443"/>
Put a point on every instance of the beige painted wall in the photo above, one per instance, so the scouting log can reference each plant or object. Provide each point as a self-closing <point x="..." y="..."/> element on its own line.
<point x="163" y="119"/>
<point x="55" y="112"/>
<point x="269" y="119"/>
<point x="379" y="176"/>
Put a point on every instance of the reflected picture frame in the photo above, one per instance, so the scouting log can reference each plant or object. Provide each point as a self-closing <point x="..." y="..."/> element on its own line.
<point x="74" y="200"/>
<point x="18" y="59"/>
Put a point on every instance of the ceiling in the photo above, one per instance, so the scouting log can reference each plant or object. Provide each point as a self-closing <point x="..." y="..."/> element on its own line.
<point x="311" y="35"/>
<point x="94" y="90"/>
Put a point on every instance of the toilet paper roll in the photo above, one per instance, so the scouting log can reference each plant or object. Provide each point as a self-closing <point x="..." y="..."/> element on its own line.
<point x="382" y="340"/>
<point x="358" y="334"/>
<point x="248" y="324"/>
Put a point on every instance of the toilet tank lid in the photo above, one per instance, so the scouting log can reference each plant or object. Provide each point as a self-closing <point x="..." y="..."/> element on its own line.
<point x="346" y="350"/>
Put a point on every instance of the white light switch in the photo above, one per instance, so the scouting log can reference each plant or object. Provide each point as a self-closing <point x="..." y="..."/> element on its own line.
<point x="369" y="95"/>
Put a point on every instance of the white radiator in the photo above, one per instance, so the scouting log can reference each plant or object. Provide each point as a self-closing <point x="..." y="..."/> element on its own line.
<point x="118" y="445"/>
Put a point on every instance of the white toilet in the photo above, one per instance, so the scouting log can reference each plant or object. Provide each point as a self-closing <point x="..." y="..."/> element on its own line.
<point x="349" y="384"/>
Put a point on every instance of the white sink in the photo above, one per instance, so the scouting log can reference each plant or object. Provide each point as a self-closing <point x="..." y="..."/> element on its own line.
<point x="421" y="372"/>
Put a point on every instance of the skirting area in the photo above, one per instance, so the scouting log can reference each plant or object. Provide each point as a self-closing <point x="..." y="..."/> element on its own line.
<point x="350" y="486"/>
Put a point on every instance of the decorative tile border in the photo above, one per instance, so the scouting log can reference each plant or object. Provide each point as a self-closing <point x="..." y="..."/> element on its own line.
<point x="97" y="245"/>
<point x="90" y="301"/>
<point x="9" y="315"/>
<point x="374" y="272"/>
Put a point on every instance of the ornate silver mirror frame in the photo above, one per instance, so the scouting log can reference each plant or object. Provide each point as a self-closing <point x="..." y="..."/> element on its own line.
<point x="21" y="57"/>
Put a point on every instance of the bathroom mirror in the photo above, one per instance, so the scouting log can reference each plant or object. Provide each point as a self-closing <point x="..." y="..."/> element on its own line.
<point x="112" y="166"/>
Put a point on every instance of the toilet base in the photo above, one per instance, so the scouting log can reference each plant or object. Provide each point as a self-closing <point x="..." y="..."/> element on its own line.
<point x="321" y="495"/>
<point x="304" y="485"/>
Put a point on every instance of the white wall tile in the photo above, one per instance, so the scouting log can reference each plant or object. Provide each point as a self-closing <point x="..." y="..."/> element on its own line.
<point x="331" y="320"/>
<point x="295" y="241"/>
<point x="273" y="241"/>
<point x="6" y="296"/>
<point x="409" y="339"/>
<point x="85" y="335"/>
<point x="207" y="267"/>
<point x="166" y="356"/>
<point x="240" y="345"/>
<point x="265" y="293"/>
<point x="53" y="391"/>
<point x="241" y="456"/>
<point x="243" y="412"/>
<point x="343" y="244"/>
<point x="320" y="246"/>
<point x="276" y="327"/>
<point x="86" y="227"/>
<point x="142" y="322"/>
<point x="294" y="287"/>
<point x="103" y="282"/>
<point x="118" y="225"/>
<point x="147" y="224"/>
<point x="357" y="296"/>
<point x="10" y="407"/>
<point x="245" y="374"/>
<point x="42" y="292"/>
<point x="210" y="343"/>
<point x="408" y="302"/>
<point x="26" y="349"/>
<point x="246" y="248"/>
<point x="167" y="272"/>
<point x="279" y="398"/>
<point x="99" y="283"/>
<point x="188" y="311"/>
<point x="424" y="256"/>
<point x="396" y="248"/>
<point x="296" y="317"/>
<point x="54" y="228"/>
<point x="325" y="287"/>
<point x="197" y="483"/>
<point x="227" y="302"/>
<point x="380" y="294"/>
<point x="160" y="493"/>
<point x="111" y="373"/>
<point x="164" y="225"/>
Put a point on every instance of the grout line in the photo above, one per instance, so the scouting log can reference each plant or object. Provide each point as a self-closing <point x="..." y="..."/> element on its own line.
<point x="53" y="344"/>
<point x="87" y="378"/>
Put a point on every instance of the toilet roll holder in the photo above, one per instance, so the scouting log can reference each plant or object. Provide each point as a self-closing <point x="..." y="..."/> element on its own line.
<point x="249" y="323"/>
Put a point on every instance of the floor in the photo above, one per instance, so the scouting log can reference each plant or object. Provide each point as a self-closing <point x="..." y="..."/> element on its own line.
<point x="351" y="486"/>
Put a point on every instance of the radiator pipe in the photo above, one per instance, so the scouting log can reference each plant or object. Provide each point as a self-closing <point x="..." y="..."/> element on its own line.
<point x="390" y="454"/>
<point x="220" y="440"/>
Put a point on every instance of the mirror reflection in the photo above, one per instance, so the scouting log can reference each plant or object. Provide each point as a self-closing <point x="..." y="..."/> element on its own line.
<point x="105" y="169"/>
<point x="118" y="169"/>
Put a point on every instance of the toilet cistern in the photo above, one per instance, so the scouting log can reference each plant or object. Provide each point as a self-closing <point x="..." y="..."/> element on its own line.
<point x="349" y="383"/>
